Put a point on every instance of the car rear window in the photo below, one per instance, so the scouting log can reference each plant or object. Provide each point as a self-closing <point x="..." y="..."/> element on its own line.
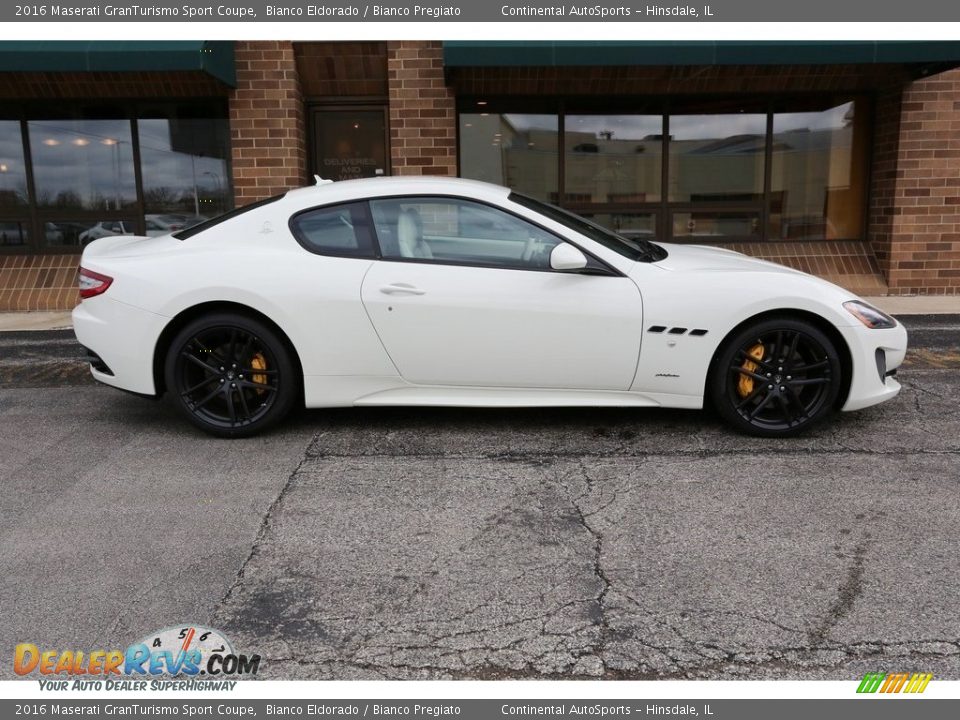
<point x="338" y="230"/>
<point x="229" y="215"/>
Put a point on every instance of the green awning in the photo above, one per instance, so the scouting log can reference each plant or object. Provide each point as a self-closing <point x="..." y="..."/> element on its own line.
<point x="212" y="57"/>
<point x="576" y="53"/>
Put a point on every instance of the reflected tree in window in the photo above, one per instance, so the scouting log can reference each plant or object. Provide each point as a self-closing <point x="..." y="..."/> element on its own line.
<point x="83" y="164"/>
<point x="184" y="169"/>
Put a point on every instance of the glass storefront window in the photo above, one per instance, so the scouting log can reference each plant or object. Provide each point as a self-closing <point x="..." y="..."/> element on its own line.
<point x="83" y="164"/>
<point x="818" y="174"/>
<point x="718" y="182"/>
<point x="184" y="169"/>
<point x="82" y="161"/>
<point x="13" y="233"/>
<point x="13" y="174"/>
<point x="628" y="225"/>
<point x="717" y="157"/>
<point x="515" y="150"/>
<point x="349" y="143"/>
<point x="613" y="159"/>
<point x="707" y="225"/>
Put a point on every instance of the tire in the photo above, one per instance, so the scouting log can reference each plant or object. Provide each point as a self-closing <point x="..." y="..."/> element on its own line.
<point x="231" y="375"/>
<point x="776" y="378"/>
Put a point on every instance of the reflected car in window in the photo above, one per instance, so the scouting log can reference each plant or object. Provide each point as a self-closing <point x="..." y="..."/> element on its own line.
<point x="446" y="292"/>
<point x="106" y="228"/>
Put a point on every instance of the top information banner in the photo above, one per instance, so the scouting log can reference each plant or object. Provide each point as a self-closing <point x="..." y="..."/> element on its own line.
<point x="484" y="11"/>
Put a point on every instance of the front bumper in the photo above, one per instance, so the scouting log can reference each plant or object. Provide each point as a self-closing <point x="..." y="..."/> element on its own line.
<point x="875" y="354"/>
<point x="124" y="338"/>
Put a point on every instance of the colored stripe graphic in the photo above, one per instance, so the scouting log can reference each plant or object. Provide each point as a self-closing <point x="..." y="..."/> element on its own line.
<point x="894" y="683"/>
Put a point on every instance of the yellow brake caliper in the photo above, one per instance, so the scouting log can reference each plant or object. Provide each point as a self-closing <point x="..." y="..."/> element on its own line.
<point x="259" y="362"/>
<point x="745" y="384"/>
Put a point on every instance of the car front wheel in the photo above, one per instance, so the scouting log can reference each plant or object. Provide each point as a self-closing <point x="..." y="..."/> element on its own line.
<point x="776" y="378"/>
<point x="231" y="375"/>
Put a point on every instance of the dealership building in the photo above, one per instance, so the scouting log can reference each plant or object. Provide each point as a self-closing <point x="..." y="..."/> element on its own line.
<point x="838" y="158"/>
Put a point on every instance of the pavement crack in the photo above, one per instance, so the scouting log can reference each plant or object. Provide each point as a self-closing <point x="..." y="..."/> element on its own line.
<point x="600" y="610"/>
<point x="264" y="527"/>
<point x="850" y="589"/>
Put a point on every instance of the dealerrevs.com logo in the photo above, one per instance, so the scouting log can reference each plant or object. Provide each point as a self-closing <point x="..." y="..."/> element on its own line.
<point x="185" y="651"/>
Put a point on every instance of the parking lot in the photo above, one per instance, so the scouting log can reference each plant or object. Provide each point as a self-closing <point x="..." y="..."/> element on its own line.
<point x="449" y="543"/>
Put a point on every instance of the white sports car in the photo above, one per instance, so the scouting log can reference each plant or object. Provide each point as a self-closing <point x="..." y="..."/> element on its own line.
<point x="438" y="291"/>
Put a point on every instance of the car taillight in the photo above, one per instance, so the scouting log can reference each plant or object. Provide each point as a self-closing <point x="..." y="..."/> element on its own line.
<point x="92" y="283"/>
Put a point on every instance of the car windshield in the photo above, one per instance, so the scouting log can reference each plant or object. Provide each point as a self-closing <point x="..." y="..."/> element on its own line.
<point x="636" y="249"/>
<point x="229" y="215"/>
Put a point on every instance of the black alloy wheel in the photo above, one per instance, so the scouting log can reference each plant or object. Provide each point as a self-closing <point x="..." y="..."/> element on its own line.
<point x="231" y="375"/>
<point x="776" y="378"/>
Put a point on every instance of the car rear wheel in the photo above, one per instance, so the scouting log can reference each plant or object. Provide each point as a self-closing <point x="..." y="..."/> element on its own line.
<point x="231" y="375"/>
<point x="776" y="378"/>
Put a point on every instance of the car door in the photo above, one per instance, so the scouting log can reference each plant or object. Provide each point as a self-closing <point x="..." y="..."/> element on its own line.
<point x="464" y="295"/>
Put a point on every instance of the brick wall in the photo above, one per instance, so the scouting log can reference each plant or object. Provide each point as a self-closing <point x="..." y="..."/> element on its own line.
<point x="423" y="130"/>
<point x="883" y="176"/>
<point x="267" y="129"/>
<point x="38" y="282"/>
<point x="342" y="69"/>
<point x="924" y="226"/>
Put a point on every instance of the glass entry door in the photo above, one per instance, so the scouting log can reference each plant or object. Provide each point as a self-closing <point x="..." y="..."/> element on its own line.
<point x="349" y="142"/>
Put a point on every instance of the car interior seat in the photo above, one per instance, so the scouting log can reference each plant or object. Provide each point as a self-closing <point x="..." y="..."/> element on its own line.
<point x="410" y="235"/>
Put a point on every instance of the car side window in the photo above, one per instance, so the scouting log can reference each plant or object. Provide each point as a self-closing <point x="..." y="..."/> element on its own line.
<point x="339" y="230"/>
<point x="459" y="231"/>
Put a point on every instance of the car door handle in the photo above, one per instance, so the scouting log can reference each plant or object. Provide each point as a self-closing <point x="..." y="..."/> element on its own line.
<point x="401" y="289"/>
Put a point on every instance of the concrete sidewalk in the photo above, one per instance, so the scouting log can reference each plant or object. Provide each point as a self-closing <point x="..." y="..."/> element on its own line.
<point x="11" y="321"/>
<point x="916" y="305"/>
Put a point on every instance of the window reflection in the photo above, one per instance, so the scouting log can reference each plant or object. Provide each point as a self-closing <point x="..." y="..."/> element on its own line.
<point x="716" y="224"/>
<point x="515" y="150"/>
<point x="13" y="233"/>
<point x="628" y="225"/>
<point x="613" y="158"/>
<point x="82" y="164"/>
<point x="717" y="157"/>
<point x="818" y="174"/>
<point x="13" y="175"/>
<point x="184" y="171"/>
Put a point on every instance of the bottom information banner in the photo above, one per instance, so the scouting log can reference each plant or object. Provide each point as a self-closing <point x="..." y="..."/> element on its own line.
<point x="874" y="708"/>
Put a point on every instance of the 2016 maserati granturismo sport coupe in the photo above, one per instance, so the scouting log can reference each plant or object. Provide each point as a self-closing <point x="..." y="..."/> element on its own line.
<point x="446" y="292"/>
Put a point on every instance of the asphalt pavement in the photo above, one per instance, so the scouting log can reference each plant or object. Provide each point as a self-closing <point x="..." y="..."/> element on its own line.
<point x="449" y="543"/>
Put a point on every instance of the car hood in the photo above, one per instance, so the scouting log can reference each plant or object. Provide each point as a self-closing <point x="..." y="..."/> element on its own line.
<point x="701" y="258"/>
<point x="698" y="264"/>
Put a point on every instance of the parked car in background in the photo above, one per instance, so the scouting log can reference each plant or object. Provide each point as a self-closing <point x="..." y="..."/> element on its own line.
<point x="106" y="228"/>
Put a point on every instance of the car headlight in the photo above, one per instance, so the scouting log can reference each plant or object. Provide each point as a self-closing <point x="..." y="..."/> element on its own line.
<point x="869" y="315"/>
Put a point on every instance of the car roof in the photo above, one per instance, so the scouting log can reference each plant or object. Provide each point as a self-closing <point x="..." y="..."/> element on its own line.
<point x="396" y="185"/>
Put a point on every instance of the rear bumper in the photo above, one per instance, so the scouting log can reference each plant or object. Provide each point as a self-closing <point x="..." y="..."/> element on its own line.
<point x="123" y="337"/>
<point x="876" y="354"/>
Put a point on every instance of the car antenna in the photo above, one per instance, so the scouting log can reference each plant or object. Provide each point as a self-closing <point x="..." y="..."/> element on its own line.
<point x="321" y="181"/>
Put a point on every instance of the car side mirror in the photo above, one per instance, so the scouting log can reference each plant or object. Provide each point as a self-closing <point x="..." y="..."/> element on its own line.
<point x="566" y="257"/>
